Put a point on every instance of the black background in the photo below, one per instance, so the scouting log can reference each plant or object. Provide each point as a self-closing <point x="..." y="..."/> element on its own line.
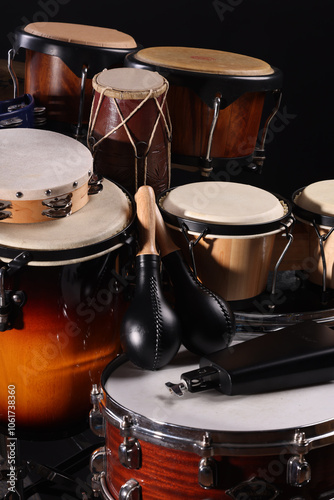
<point x="292" y="36"/>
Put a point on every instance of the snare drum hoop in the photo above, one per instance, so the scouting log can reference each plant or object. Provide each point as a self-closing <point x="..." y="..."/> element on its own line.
<point x="216" y="230"/>
<point x="325" y="221"/>
<point x="227" y="443"/>
<point x="78" y="254"/>
<point x="74" y="55"/>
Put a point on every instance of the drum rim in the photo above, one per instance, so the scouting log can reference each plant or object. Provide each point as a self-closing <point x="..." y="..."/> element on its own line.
<point x="308" y="215"/>
<point x="228" y="443"/>
<point x="65" y="256"/>
<point x="216" y="229"/>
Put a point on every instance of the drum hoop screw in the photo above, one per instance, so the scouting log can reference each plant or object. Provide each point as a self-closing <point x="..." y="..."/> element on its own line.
<point x="48" y="192"/>
<point x="19" y="194"/>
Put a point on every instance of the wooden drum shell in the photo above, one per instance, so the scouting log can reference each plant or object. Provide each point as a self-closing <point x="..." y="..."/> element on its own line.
<point x="68" y="332"/>
<point x="236" y="130"/>
<point x="234" y="268"/>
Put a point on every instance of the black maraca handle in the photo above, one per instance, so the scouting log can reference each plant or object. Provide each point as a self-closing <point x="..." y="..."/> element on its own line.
<point x="150" y="329"/>
<point x="207" y="320"/>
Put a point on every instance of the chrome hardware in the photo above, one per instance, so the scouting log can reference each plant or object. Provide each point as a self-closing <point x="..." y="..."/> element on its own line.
<point x="131" y="490"/>
<point x="129" y="453"/>
<point x="59" y="207"/>
<point x="11" y="122"/>
<point x="4" y="214"/>
<point x="177" y="389"/>
<point x="96" y="419"/>
<point x="207" y="473"/>
<point x="95" y="185"/>
<point x="298" y="471"/>
<point x="254" y="488"/>
<point x="206" y="169"/>
<point x="97" y="462"/>
<point x="11" y="54"/>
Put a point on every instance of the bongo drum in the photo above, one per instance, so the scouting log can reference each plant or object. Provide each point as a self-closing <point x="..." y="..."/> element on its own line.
<point x="129" y="131"/>
<point x="314" y="207"/>
<point x="208" y="445"/>
<point x="60" y="61"/>
<point x="44" y="175"/>
<point x="216" y="101"/>
<point x="62" y="300"/>
<point x="230" y="229"/>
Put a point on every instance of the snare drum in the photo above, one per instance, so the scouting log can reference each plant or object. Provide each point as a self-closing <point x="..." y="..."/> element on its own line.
<point x="215" y="99"/>
<point x="62" y="301"/>
<point x="231" y="229"/>
<point x="211" y="446"/>
<point x="129" y="130"/>
<point x="314" y="206"/>
<point x="44" y="175"/>
<point x="60" y="61"/>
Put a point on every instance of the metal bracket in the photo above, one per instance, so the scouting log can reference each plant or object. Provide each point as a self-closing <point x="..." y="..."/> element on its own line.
<point x="192" y="243"/>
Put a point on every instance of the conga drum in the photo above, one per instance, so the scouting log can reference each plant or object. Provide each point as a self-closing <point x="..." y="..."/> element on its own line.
<point x="314" y="207"/>
<point x="207" y="445"/>
<point x="129" y="131"/>
<point x="61" y="60"/>
<point x="62" y="281"/>
<point x="215" y="100"/>
<point x="230" y="230"/>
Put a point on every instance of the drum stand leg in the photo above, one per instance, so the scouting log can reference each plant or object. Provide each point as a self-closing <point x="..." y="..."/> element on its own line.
<point x="11" y="55"/>
<point x="322" y="238"/>
<point x="289" y="236"/>
<point x="259" y="155"/>
<point x="206" y="167"/>
<point x="78" y="130"/>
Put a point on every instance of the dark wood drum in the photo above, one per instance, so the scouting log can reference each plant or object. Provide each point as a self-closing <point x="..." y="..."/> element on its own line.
<point x="61" y="60"/>
<point x="215" y="99"/>
<point x="129" y="131"/>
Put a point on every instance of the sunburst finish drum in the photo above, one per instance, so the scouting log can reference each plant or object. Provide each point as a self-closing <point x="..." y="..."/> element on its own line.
<point x="62" y="300"/>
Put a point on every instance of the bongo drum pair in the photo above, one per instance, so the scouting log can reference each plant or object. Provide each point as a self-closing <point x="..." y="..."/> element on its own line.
<point x="63" y="258"/>
<point x="60" y="62"/>
<point x="216" y="103"/>
<point x="209" y="445"/>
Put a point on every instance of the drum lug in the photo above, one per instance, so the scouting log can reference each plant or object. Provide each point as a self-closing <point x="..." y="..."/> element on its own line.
<point x="129" y="452"/>
<point x="298" y="471"/>
<point x="96" y="419"/>
<point x="131" y="490"/>
<point x="207" y="473"/>
<point x="97" y="462"/>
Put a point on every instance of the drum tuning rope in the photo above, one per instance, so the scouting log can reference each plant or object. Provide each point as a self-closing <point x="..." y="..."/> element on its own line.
<point x="123" y="123"/>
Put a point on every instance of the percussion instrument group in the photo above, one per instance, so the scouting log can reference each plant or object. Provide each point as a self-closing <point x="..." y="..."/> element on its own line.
<point x="114" y="278"/>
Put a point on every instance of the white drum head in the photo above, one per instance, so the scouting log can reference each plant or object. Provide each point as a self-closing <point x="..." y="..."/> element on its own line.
<point x="129" y="83"/>
<point x="223" y="203"/>
<point x="237" y="417"/>
<point x="39" y="164"/>
<point x="317" y="198"/>
<point x="107" y="213"/>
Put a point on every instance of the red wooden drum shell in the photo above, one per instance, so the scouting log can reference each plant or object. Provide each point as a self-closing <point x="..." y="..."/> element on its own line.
<point x="197" y="76"/>
<point x="171" y="452"/>
<point x="119" y="95"/>
<point x="55" y="56"/>
<point x="56" y="344"/>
